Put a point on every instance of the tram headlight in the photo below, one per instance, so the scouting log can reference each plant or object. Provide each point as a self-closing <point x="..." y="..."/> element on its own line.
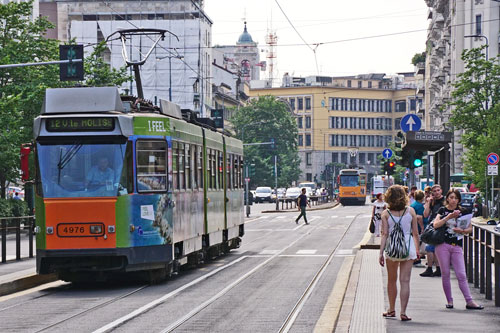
<point x="111" y="229"/>
<point x="50" y="230"/>
<point x="96" y="229"/>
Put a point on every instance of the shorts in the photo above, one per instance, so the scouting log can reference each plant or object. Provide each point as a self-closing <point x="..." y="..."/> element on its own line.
<point x="429" y="248"/>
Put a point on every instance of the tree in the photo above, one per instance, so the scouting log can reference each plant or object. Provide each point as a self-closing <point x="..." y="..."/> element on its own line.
<point x="476" y="111"/>
<point x="418" y="58"/>
<point x="22" y="89"/>
<point x="264" y="119"/>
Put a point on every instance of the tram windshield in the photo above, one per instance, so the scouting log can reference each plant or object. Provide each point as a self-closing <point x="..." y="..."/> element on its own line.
<point x="82" y="169"/>
<point x="349" y="181"/>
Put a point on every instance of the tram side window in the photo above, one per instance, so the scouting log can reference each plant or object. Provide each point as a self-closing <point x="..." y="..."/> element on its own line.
<point x="151" y="165"/>
<point x="229" y="172"/>
<point x="175" y="165"/>
<point x="182" y="183"/>
<point x="188" y="166"/>
<point x="200" y="166"/>
<point x="240" y="172"/>
<point x="234" y="171"/>
<point x="220" y="170"/>
<point x="213" y="170"/>
<point x="209" y="169"/>
<point x="127" y="176"/>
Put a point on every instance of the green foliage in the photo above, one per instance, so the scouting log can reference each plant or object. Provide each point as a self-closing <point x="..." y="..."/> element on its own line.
<point x="418" y="58"/>
<point x="476" y="111"/>
<point x="13" y="208"/>
<point x="22" y="89"/>
<point x="264" y="119"/>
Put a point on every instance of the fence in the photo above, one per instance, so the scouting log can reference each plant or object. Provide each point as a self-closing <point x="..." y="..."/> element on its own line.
<point x="14" y="225"/>
<point x="314" y="200"/>
<point x="482" y="260"/>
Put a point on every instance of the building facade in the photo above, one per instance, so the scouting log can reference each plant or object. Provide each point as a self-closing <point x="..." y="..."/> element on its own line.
<point x="179" y="67"/>
<point x="453" y="27"/>
<point x="340" y="116"/>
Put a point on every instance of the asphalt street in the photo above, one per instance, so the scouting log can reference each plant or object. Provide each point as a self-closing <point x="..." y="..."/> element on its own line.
<point x="284" y="277"/>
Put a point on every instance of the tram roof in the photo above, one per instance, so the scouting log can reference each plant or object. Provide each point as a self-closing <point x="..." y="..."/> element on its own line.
<point x="82" y="100"/>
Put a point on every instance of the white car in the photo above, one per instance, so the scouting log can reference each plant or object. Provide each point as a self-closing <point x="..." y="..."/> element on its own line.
<point x="292" y="193"/>
<point x="263" y="194"/>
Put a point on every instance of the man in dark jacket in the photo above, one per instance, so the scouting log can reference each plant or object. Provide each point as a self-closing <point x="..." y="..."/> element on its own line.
<point x="302" y="202"/>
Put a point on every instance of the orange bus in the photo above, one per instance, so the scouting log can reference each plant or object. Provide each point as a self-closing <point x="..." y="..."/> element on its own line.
<point x="352" y="186"/>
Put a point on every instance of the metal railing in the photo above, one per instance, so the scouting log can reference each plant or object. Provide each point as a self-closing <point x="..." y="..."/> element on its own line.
<point x="16" y="225"/>
<point x="314" y="200"/>
<point x="482" y="260"/>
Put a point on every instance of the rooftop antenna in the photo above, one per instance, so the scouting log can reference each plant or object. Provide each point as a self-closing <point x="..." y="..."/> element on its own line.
<point x="129" y="34"/>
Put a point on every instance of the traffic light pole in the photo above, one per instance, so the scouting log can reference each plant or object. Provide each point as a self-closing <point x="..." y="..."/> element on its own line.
<point x="247" y="179"/>
<point x="276" y="181"/>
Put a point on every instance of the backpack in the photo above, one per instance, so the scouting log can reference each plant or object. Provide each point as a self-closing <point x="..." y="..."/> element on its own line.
<point x="396" y="247"/>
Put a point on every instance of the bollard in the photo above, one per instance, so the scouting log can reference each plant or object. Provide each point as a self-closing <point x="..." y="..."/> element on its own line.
<point x="18" y="239"/>
<point x="4" y="240"/>
<point x="31" y="226"/>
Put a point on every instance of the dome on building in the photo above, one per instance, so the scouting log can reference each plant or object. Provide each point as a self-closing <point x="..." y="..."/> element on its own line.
<point x="245" y="37"/>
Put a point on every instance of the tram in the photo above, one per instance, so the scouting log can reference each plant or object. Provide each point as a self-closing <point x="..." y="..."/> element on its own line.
<point x="352" y="186"/>
<point x="123" y="186"/>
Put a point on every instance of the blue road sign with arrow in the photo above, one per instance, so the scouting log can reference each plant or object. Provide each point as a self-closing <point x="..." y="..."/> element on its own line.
<point x="410" y="122"/>
<point x="387" y="153"/>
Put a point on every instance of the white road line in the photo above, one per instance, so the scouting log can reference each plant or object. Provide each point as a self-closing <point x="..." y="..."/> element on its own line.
<point x="306" y="252"/>
<point x="280" y="217"/>
<point x="298" y="227"/>
<point x="271" y="252"/>
<point x="343" y="252"/>
<point x="304" y="255"/>
<point x="349" y="216"/>
<point x="334" y="216"/>
<point x="367" y="216"/>
<point x="162" y="299"/>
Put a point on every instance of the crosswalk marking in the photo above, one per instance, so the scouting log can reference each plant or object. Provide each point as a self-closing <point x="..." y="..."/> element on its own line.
<point x="349" y="216"/>
<point x="344" y="251"/>
<point x="306" y="252"/>
<point x="334" y="216"/>
<point x="271" y="252"/>
<point x="280" y="217"/>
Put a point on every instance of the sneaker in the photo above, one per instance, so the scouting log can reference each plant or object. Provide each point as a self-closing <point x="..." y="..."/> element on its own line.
<point x="416" y="262"/>
<point x="427" y="272"/>
<point x="307" y="222"/>
<point x="297" y="222"/>
<point x="437" y="272"/>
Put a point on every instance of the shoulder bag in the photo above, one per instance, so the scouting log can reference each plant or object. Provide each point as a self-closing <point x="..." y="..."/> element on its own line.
<point x="433" y="236"/>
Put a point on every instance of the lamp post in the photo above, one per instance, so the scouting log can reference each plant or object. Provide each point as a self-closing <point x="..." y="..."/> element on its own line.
<point x="481" y="36"/>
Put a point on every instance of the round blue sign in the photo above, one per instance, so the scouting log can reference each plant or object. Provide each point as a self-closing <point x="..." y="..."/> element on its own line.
<point x="492" y="159"/>
<point x="387" y="153"/>
<point x="410" y="122"/>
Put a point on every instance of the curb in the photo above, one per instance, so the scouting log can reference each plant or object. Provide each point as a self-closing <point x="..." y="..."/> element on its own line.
<point x="26" y="282"/>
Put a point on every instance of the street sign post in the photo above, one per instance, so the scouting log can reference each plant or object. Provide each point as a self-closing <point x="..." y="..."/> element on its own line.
<point x="387" y="153"/>
<point x="492" y="160"/>
<point x="411" y="122"/>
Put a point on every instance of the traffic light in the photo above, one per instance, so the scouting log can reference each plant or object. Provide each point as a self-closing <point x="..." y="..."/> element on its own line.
<point x="273" y="143"/>
<point x="418" y="158"/>
<point x="72" y="71"/>
<point x="218" y="117"/>
<point x="251" y="170"/>
<point x="405" y="157"/>
<point x="391" y="167"/>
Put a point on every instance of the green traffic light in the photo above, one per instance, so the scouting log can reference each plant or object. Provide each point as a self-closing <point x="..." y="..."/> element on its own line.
<point x="417" y="162"/>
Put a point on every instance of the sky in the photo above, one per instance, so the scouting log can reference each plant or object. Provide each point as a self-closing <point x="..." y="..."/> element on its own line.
<point x="332" y="22"/>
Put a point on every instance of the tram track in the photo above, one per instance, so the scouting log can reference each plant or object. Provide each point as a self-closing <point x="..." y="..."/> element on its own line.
<point x="191" y="314"/>
<point x="95" y="307"/>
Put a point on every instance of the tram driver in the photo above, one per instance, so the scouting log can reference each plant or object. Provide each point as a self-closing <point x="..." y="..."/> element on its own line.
<point x="101" y="175"/>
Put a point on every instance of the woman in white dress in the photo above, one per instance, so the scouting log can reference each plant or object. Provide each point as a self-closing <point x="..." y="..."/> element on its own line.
<point x="378" y="207"/>
<point x="398" y="212"/>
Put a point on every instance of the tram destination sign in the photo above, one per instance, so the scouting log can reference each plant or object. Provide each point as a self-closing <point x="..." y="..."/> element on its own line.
<point x="80" y="124"/>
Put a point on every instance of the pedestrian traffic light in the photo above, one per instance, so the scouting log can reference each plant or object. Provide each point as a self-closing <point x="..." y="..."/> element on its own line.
<point x="72" y="71"/>
<point x="218" y="117"/>
<point x="391" y="168"/>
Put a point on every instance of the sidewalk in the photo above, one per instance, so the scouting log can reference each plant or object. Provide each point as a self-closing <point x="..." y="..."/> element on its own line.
<point x="366" y="300"/>
<point x="20" y="275"/>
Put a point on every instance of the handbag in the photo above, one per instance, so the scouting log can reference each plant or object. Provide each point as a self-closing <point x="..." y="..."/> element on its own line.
<point x="372" y="227"/>
<point x="433" y="236"/>
<point x="396" y="248"/>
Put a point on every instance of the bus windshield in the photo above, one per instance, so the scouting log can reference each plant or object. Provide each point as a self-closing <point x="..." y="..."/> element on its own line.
<point x="78" y="169"/>
<point x="349" y="180"/>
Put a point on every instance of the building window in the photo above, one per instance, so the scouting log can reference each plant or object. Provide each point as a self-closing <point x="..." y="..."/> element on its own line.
<point x="400" y="106"/>
<point x="309" y="177"/>
<point x="380" y="85"/>
<point x="300" y="103"/>
<point x="369" y="84"/>
<point x="360" y="84"/>
<point x="343" y="158"/>
<point x="397" y="123"/>
<point x="335" y="157"/>
<point x="308" y="103"/>
<point x="308" y="140"/>
<point x="349" y="84"/>
<point x="478" y="25"/>
<point x="299" y="122"/>
<point x="308" y="122"/>
<point x="361" y="158"/>
<point x="308" y="159"/>
<point x="292" y="103"/>
<point x="301" y="140"/>
<point x="413" y="104"/>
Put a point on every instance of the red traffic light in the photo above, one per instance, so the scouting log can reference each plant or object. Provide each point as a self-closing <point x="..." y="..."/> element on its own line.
<point x="392" y="164"/>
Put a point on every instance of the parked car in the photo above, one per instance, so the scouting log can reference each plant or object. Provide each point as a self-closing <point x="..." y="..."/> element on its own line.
<point x="292" y="193"/>
<point x="468" y="200"/>
<point x="263" y="194"/>
<point x="281" y="194"/>
<point x="461" y="189"/>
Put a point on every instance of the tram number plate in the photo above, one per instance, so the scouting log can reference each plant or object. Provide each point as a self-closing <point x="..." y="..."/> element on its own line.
<point x="80" y="229"/>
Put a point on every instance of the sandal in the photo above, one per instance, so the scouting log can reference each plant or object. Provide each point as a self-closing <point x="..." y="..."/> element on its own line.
<point x="404" y="317"/>
<point x="389" y="314"/>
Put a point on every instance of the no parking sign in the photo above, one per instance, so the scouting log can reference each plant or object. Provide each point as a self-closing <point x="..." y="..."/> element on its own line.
<point x="492" y="159"/>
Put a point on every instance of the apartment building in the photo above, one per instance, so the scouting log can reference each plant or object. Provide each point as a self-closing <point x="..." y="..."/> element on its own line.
<point x="453" y="27"/>
<point x="338" y="114"/>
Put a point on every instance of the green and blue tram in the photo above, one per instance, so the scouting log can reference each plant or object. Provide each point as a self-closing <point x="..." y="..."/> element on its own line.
<point x="124" y="187"/>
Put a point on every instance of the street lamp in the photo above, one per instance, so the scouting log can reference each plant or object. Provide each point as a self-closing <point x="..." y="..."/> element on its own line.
<point x="481" y="36"/>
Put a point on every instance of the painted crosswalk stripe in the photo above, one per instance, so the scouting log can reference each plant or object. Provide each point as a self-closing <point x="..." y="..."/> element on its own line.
<point x="306" y="252"/>
<point x="271" y="252"/>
